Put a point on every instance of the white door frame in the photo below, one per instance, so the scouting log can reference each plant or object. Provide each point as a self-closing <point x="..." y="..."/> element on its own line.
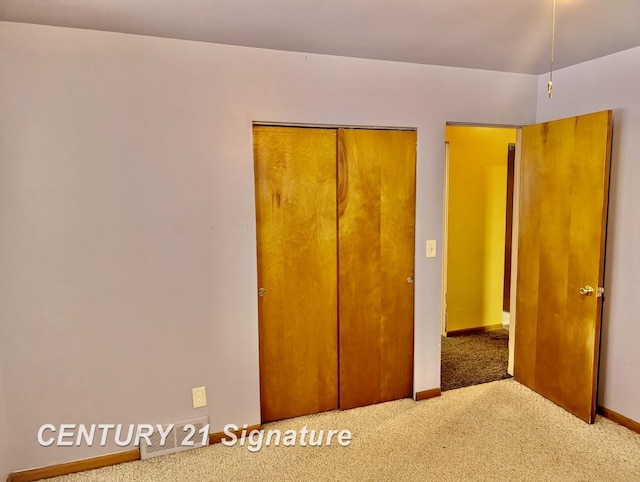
<point x="445" y="242"/>
<point x="515" y="228"/>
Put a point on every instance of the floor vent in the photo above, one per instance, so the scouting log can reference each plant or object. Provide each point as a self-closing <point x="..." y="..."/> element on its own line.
<point x="184" y="435"/>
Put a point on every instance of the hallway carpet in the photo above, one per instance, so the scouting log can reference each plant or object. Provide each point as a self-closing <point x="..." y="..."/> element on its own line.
<point x="499" y="431"/>
<point x="473" y="359"/>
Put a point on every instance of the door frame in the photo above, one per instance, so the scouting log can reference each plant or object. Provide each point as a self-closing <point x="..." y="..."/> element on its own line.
<point x="514" y="233"/>
<point x="515" y="229"/>
<point x="445" y="241"/>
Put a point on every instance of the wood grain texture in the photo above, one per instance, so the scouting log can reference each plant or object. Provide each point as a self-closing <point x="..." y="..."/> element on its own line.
<point x="216" y="437"/>
<point x="619" y="419"/>
<point x="376" y="242"/>
<point x="427" y="394"/>
<point x="508" y="232"/>
<point x="295" y="182"/>
<point x="73" y="467"/>
<point x="563" y="209"/>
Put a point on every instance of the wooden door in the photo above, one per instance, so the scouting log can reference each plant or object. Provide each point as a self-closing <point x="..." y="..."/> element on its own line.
<point x="295" y="182"/>
<point x="508" y="234"/>
<point x="376" y="223"/>
<point x="563" y="212"/>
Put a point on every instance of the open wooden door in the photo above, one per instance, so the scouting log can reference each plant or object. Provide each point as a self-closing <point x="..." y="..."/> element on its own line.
<point x="563" y="218"/>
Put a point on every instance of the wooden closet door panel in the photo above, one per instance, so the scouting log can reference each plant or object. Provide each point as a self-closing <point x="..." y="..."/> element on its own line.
<point x="376" y="242"/>
<point x="397" y="234"/>
<point x="295" y="181"/>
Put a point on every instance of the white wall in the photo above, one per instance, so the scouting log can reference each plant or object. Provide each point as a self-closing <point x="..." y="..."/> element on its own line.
<point x="128" y="223"/>
<point x="612" y="82"/>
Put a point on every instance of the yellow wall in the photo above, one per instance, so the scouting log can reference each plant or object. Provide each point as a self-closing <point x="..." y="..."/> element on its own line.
<point x="477" y="206"/>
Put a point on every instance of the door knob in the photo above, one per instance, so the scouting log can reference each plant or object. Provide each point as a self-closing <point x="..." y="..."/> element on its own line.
<point x="262" y="292"/>
<point x="586" y="291"/>
<point x="410" y="280"/>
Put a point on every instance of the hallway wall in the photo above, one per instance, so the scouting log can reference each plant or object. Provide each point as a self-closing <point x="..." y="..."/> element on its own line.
<point x="477" y="217"/>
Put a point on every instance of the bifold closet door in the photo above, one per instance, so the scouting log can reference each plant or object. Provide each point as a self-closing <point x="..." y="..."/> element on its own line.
<point x="376" y="242"/>
<point x="295" y="176"/>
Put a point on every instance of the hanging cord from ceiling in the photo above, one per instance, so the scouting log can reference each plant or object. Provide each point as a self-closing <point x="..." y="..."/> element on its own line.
<point x="553" y="47"/>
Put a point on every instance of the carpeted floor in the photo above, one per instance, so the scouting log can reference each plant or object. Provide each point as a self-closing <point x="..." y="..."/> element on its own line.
<point x="499" y="431"/>
<point x="473" y="359"/>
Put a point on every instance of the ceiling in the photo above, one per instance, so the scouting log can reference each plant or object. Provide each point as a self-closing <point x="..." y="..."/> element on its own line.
<point x="505" y="35"/>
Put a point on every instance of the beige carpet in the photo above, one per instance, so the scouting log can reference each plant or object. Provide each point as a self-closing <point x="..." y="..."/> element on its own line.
<point x="495" y="431"/>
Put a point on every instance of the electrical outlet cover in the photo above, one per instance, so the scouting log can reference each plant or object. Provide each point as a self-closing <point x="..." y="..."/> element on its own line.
<point x="199" y="396"/>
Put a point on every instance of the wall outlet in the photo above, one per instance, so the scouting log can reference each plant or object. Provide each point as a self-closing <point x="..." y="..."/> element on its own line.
<point x="199" y="396"/>
<point x="431" y="248"/>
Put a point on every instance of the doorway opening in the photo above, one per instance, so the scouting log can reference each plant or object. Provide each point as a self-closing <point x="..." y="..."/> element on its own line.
<point x="561" y="189"/>
<point x="477" y="251"/>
